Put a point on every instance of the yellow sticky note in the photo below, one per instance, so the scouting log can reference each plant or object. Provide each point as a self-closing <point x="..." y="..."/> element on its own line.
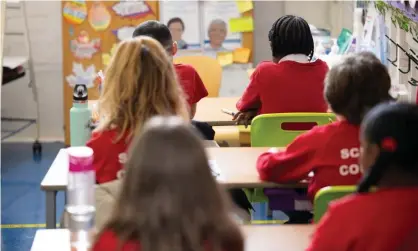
<point x="225" y="58"/>
<point x="250" y="72"/>
<point x="241" y="55"/>
<point x="244" y="5"/>
<point x="241" y="24"/>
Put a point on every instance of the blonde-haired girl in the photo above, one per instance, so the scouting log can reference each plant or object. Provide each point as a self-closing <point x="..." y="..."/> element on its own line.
<point x="140" y="82"/>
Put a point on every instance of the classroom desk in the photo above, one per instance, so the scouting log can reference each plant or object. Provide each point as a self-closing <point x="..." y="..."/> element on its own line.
<point x="257" y="238"/>
<point x="209" y="110"/>
<point x="237" y="165"/>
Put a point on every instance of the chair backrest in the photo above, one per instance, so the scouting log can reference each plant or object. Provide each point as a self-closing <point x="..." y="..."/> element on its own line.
<point x="209" y="70"/>
<point x="266" y="129"/>
<point x="327" y="194"/>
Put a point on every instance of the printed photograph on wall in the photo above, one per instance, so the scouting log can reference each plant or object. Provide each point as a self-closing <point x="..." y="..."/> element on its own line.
<point x="216" y="18"/>
<point x="182" y="18"/>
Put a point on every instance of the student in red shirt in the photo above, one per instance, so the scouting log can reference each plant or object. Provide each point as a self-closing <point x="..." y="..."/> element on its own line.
<point x="140" y="82"/>
<point x="169" y="199"/>
<point x="385" y="219"/>
<point x="352" y="87"/>
<point x="188" y="77"/>
<point x="292" y="81"/>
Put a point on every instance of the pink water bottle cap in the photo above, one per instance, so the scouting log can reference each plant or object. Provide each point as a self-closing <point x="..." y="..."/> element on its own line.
<point x="80" y="158"/>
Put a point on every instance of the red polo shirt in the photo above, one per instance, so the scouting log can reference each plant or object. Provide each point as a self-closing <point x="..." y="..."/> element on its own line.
<point x="385" y="220"/>
<point x="330" y="151"/>
<point x="109" y="156"/>
<point x="108" y="241"/>
<point x="192" y="85"/>
<point x="287" y="86"/>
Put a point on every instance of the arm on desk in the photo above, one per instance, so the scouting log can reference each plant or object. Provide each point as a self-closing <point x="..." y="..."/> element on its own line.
<point x="293" y="164"/>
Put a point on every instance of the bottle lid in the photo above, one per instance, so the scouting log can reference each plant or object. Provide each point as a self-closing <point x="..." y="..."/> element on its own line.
<point x="80" y="158"/>
<point x="80" y="93"/>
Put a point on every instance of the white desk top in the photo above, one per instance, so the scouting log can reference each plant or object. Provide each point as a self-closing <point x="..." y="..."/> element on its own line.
<point x="237" y="164"/>
<point x="257" y="238"/>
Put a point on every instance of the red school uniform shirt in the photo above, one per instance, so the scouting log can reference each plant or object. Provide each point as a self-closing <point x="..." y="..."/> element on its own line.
<point x="287" y="86"/>
<point x="109" y="155"/>
<point x="108" y="241"/>
<point x="385" y="220"/>
<point x="330" y="151"/>
<point x="191" y="83"/>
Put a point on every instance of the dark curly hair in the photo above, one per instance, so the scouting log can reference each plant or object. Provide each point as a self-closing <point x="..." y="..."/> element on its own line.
<point x="291" y="35"/>
<point x="357" y="84"/>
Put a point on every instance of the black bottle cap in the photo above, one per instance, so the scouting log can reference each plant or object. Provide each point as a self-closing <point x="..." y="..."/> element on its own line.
<point x="80" y="93"/>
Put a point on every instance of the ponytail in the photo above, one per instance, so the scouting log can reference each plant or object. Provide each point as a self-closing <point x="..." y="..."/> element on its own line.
<point x="374" y="173"/>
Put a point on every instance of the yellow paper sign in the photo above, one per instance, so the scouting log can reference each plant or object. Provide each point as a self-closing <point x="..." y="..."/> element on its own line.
<point x="241" y="55"/>
<point x="241" y="24"/>
<point x="225" y="58"/>
<point x="244" y="5"/>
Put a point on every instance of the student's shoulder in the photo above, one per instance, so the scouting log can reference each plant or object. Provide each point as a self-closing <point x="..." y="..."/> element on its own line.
<point x="184" y="68"/>
<point x="323" y="131"/>
<point x="266" y="65"/>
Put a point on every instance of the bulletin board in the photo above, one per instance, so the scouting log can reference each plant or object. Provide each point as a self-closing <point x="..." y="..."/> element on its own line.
<point x="90" y="29"/>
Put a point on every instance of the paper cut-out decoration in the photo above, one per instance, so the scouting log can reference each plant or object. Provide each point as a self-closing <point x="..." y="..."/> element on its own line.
<point x="83" y="47"/>
<point x="75" y="12"/>
<point x="241" y="55"/>
<point x="241" y="24"/>
<point x="80" y="76"/>
<point x="107" y="56"/>
<point x="124" y="32"/>
<point x="99" y="16"/>
<point x="132" y="8"/>
<point x="244" y="5"/>
<point x="225" y="58"/>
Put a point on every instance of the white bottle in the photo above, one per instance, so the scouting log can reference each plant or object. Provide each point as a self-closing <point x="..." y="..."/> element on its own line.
<point x="80" y="196"/>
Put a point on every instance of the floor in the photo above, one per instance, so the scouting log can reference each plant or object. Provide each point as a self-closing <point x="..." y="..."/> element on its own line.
<point x="23" y="203"/>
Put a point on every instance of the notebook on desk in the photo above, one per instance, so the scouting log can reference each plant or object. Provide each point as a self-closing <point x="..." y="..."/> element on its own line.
<point x="216" y="172"/>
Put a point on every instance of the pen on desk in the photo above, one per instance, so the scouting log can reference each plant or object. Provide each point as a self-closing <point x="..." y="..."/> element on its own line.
<point x="228" y="112"/>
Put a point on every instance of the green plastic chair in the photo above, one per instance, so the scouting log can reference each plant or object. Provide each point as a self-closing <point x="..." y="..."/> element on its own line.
<point x="266" y="129"/>
<point x="327" y="194"/>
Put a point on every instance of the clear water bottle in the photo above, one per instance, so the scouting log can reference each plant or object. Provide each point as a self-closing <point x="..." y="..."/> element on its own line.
<point x="80" y="196"/>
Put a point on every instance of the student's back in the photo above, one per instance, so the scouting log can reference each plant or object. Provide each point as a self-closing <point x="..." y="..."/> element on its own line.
<point x="292" y="81"/>
<point x="379" y="221"/>
<point x="289" y="86"/>
<point x="353" y="86"/>
<point x="169" y="199"/>
<point x="130" y="97"/>
<point x="381" y="216"/>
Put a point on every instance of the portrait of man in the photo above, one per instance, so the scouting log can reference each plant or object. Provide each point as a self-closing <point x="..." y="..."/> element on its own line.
<point x="217" y="32"/>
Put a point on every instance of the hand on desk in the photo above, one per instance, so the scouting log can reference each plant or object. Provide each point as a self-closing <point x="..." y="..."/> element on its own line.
<point x="245" y="117"/>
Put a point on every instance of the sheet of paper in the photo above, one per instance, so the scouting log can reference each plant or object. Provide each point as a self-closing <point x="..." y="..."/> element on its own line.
<point x="241" y="55"/>
<point x="13" y="62"/>
<point x="244" y="5"/>
<point x="132" y="8"/>
<point x="225" y="58"/>
<point x="216" y="171"/>
<point x="241" y="24"/>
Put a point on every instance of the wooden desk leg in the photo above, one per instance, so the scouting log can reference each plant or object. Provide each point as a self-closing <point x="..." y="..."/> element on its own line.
<point x="51" y="206"/>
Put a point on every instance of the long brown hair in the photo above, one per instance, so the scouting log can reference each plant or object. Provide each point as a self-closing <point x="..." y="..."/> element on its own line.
<point x="169" y="199"/>
<point x="140" y="82"/>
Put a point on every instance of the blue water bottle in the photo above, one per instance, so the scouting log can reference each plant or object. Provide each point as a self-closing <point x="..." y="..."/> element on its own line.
<point x="80" y="117"/>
